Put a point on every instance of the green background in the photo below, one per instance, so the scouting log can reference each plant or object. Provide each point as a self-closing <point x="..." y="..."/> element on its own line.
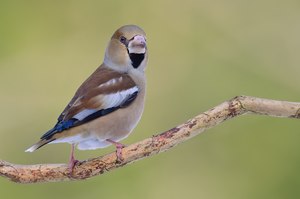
<point x="201" y="53"/>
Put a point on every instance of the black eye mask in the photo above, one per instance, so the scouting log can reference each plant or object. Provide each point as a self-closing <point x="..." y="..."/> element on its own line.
<point x="124" y="41"/>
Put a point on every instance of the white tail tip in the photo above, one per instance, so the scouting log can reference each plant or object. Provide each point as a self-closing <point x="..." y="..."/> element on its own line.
<point x="31" y="149"/>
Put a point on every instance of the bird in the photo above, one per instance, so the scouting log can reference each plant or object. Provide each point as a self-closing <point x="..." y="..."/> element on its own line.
<point x="109" y="103"/>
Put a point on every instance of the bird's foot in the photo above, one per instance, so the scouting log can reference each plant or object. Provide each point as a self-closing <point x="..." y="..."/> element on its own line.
<point x="119" y="146"/>
<point x="72" y="161"/>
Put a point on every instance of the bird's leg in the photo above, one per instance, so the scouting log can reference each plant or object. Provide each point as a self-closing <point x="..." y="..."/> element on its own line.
<point x="72" y="160"/>
<point x="119" y="146"/>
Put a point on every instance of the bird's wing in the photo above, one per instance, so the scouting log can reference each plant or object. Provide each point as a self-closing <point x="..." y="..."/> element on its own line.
<point x="103" y="92"/>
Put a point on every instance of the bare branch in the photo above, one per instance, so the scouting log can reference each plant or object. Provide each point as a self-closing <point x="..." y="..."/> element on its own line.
<point x="150" y="146"/>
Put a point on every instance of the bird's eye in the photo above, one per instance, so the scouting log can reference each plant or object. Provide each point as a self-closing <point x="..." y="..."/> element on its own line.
<point x="123" y="39"/>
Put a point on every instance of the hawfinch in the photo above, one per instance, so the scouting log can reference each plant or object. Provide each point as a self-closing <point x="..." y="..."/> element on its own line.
<point x="109" y="104"/>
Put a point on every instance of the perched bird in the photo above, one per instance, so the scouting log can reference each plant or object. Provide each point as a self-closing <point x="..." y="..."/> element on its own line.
<point x="109" y="104"/>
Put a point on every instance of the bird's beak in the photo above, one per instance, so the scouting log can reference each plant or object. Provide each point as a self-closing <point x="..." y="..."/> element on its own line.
<point x="137" y="45"/>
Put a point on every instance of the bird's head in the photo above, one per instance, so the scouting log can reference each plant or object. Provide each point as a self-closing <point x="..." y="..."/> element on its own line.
<point x="127" y="49"/>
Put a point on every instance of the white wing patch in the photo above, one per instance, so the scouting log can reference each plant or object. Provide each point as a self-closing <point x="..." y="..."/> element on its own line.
<point x="116" y="99"/>
<point x="111" y="82"/>
<point x="83" y="114"/>
<point x="108" y="101"/>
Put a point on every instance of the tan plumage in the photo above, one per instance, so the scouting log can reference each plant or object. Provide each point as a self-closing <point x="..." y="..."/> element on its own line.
<point x="109" y="104"/>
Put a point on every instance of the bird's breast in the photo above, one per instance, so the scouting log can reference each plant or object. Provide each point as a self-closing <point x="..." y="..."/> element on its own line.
<point x="118" y="124"/>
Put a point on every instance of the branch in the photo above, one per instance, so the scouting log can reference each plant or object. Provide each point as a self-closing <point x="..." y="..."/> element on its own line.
<point x="156" y="144"/>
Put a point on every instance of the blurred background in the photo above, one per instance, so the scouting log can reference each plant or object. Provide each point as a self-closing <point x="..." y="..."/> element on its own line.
<point x="201" y="54"/>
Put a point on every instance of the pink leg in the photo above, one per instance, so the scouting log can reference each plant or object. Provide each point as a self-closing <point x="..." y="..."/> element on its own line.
<point x="72" y="160"/>
<point x="119" y="147"/>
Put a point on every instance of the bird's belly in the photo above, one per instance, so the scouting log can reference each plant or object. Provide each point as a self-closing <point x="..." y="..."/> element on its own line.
<point x="115" y="126"/>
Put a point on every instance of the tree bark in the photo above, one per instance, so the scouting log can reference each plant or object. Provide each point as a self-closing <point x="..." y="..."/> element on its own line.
<point x="156" y="144"/>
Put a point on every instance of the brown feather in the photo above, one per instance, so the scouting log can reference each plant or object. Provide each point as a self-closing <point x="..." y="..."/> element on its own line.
<point x="86" y="97"/>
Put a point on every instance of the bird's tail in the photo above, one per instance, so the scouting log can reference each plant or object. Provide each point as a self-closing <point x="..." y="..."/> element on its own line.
<point x="39" y="144"/>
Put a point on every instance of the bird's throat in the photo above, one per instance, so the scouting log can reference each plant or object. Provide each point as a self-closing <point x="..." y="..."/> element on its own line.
<point x="136" y="59"/>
